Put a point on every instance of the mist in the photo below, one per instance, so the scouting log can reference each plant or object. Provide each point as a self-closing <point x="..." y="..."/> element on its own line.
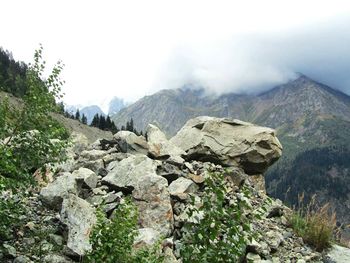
<point x="252" y="63"/>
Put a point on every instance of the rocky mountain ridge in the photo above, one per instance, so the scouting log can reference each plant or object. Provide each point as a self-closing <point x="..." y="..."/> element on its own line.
<point x="170" y="109"/>
<point x="160" y="176"/>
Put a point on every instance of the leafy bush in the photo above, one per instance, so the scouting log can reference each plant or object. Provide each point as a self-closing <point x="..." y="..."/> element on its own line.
<point x="112" y="239"/>
<point x="214" y="232"/>
<point x="315" y="224"/>
<point x="29" y="139"/>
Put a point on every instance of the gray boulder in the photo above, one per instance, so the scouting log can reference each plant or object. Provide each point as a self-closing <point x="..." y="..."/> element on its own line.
<point x="126" y="175"/>
<point x="85" y="177"/>
<point x="229" y="143"/>
<point x="159" y="146"/>
<point x="54" y="193"/>
<point x="79" y="217"/>
<point x="129" y="142"/>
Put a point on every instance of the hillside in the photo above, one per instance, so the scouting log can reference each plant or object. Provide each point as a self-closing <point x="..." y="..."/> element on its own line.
<point x="310" y="119"/>
<point x="91" y="133"/>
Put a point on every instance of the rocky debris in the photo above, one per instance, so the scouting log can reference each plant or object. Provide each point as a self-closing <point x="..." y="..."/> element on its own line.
<point x="129" y="142"/>
<point x="159" y="146"/>
<point x="79" y="217"/>
<point x="160" y="186"/>
<point x="229" y="143"/>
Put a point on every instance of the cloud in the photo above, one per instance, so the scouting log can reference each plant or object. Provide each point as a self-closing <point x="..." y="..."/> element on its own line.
<point x="251" y="63"/>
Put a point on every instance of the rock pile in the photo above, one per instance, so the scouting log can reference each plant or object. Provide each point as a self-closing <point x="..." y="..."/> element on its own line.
<point x="160" y="175"/>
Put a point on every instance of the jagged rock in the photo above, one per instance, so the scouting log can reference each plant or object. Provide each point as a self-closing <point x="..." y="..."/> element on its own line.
<point x="169" y="256"/>
<point x="169" y="171"/>
<point x="159" y="146"/>
<point x="274" y="239"/>
<point x="56" y="259"/>
<point x="115" y="157"/>
<point x="112" y="197"/>
<point x="127" y="174"/>
<point x="146" y="237"/>
<point x="258" y="181"/>
<point x="236" y="175"/>
<point x="180" y="187"/>
<point x="338" y="254"/>
<point x="153" y="201"/>
<point x="229" y="143"/>
<point x="129" y="142"/>
<point x="53" y="194"/>
<point x="92" y="155"/>
<point x="79" y="217"/>
<point x="251" y="258"/>
<point x="79" y="141"/>
<point x="95" y="165"/>
<point x="85" y="177"/>
<point x="22" y="259"/>
<point x="176" y="160"/>
<point x="9" y="251"/>
<point x="198" y="179"/>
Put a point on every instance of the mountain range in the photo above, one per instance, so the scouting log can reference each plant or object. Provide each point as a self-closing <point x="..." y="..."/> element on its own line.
<point x="104" y="108"/>
<point x="312" y="121"/>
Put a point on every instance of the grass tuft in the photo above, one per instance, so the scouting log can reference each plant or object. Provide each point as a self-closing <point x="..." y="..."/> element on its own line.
<point x="314" y="223"/>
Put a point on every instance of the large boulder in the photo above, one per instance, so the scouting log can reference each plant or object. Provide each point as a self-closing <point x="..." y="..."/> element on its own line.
<point x="80" y="218"/>
<point x="229" y="143"/>
<point x="129" y="142"/>
<point x="54" y="193"/>
<point x="159" y="146"/>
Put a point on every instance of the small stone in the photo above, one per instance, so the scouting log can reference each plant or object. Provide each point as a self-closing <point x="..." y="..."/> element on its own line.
<point x="56" y="259"/>
<point x="56" y="239"/>
<point x="198" y="179"/>
<point x="28" y="241"/>
<point x="9" y="250"/>
<point x="22" y="259"/>
<point x="251" y="258"/>
<point x="30" y="225"/>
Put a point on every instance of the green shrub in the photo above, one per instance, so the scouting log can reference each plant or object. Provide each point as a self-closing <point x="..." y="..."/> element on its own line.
<point x="216" y="232"/>
<point x="28" y="140"/>
<point x="315" y="224"/>
<point x="112" y="239"/>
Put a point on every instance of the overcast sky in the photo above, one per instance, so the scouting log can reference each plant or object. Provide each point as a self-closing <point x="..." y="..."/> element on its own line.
<point x="133" y="48"/>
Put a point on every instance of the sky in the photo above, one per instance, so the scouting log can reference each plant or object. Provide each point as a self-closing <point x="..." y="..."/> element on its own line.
<point x="130" y="49"/>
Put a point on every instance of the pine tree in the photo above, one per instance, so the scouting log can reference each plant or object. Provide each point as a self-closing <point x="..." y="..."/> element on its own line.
<point x="77" y="115"/>
<point x="95" y="121"/>
<point x="102" y="123"/>
<point x="84" y="119"/>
